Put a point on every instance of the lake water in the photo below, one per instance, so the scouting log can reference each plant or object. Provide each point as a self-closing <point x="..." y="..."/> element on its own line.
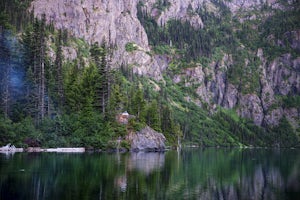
<point x="191" y="174"/>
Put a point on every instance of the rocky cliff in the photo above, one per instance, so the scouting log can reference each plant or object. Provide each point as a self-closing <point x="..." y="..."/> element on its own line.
<point x="174" y="9"/>
<point x="116" y="22"/>
<point x="106" y="20"/>
<point x="281" y="77"/>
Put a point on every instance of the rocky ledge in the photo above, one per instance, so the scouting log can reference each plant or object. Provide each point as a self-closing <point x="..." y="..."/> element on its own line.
<point x="147" y="139"/>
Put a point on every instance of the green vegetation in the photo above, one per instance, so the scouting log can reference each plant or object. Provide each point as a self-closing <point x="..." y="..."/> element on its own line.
<point x="72" y="103"/>
<point x="81" y="102"/>
<point x="162" y="4"/>
<point x="291" y="101"/>
<point x="162" y="49"/>
<point x="223" y="127"/>
<point x="53" y="103"/>
<point x="130" y="47"/>
<point x="68" y="103"/>
<point x="193" y="42"/>
<point x="14" y="14"/>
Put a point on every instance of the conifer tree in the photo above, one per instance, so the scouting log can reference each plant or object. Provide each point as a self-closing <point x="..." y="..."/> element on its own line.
<point x="5" y="67"/>
<point x="152" y="116"/>
<point x="34" y="41"/>
<point x="58" y="74"/>
<point x="138" y="105"/>
<point x="116" y="101"/>
<point x="99" y="56"/>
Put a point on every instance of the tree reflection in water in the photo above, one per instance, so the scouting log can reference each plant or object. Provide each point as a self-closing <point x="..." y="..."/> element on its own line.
<point x="192" y="174"/>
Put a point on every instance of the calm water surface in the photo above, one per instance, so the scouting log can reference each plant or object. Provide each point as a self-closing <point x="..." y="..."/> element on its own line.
<point x="190" y="174"/>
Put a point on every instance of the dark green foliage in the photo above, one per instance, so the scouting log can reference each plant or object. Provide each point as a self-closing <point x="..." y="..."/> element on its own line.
<point x="58" y="73"/>
<point x="7" y="134"/>
<point x="280" y="23"/>
<point x="155" y="33"/>
<point x="152" y="116"/>
<point x="193" y="42"/>
<point x="4" y="21"/>
<point x="34" y="41"/>
<point x="162" y="4"/>
<point x="74" y="114"/>
<point x="240" y="130"/>
<point x="226" y="129"/>
<point x="15" y="14"/>
<point x="272" y="33"/>
<point x="117" y="101"/>
<point x="291" y="101"/>
<point x="101" y="79"/>
<point x="246" y="77"/>
<point x="138" y="107"/>
<point x="162" y="49"/>
<point x="198" y="128"/>
<point x="17" y="133"/>
<point x="130" y="47"/>
<point x="284" y="135"/>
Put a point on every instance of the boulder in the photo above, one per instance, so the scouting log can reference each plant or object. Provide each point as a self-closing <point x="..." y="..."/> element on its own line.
<point x="147" y="139"/>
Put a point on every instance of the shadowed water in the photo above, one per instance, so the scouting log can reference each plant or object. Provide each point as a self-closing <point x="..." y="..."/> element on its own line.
<point x="190" y="174"/>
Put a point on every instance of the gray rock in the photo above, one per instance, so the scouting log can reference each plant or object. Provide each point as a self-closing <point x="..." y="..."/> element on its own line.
<point x="236" y="5"/>
<point x="283" y="75"/>
<point x="273" y="116"/>
<point x="231" y="96"/>
<point x="294" y="39"/>
<point x="147" y="139"/>
<point x="292" y="114"/>
<point x="178" y="9"/>
<point x="250" y="107"/>
<point x="114" y="21"/>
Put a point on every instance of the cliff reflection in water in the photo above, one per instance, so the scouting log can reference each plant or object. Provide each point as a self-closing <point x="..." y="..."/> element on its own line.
<point x="191" y="174"/>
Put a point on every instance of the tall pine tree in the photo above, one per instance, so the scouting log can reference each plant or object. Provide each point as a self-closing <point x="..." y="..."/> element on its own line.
<point x="99" y="56"/>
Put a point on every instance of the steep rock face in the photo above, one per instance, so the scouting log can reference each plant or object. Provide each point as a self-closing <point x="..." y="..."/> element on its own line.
<point x="280" y="77"/>
<point x="236" y="5"/>
<point x="293" y="37"/>
<point x="284" y="75"/>
<point x="147" y="140"/>
<point x="114" y="21"/>
<point x="250" y="107"/>
<point x="176" y="9"/>
<point x="231" y="96"/>
<point x="211" y="82"/>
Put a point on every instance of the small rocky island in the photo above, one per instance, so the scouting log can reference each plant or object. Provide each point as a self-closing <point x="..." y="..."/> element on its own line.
<point x="147" y="139"/>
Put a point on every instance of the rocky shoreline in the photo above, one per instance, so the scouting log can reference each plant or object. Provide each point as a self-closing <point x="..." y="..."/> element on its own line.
<point x="145" y="140"/>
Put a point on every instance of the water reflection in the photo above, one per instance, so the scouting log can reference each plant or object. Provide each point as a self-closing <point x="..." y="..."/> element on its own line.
<point x="146" y="162"/>
<point x="192" y="174"/>
<point x="121" y="182"/>
<point x="143" y="162"/>
<point x="8" y="154"/>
